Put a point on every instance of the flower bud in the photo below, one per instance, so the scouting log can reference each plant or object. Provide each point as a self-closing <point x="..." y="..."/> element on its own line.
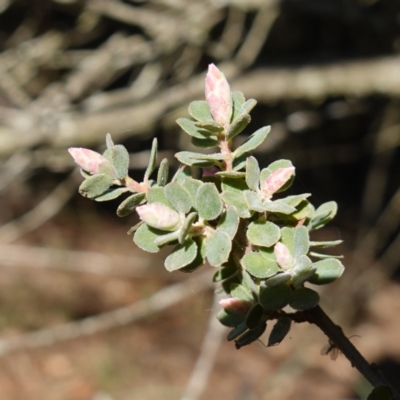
<point x="276" y="180"/>
<point x="283" y="257"/>
<point x="218" y="96"/>
<point x="88" y="160"/>
<point x="159" y="216"/>
<point x="235" y="305"/>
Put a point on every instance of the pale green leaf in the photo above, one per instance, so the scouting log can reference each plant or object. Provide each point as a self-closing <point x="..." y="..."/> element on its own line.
<point x="152" y="161"/>
<point x="218" y="248"/>
<point x="111" y="194"/>
<point x="275" y="298"/>
<point x="199" y="110"/>
<point x="208" y="202"/>
<point x="327" y="271"/>
<point x="229" y="222"/>
<point x="258" y="266"/>
<point x="263" y="233"/>
<point x="145" y="238"/>
<point x="304" y="298"/>
<point x="182" y="255"/>
<point x="130" y="203"/>
<point x="163" y="172"/>
<point x="95" y="185"/>
<point x="178" y="196"/>
<point x="253" y="141"/>
<point x="252" y="173"/>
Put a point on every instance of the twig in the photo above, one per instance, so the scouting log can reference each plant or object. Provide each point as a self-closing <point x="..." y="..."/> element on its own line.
<point x="318" y="317"/>
<point x="46" y="209"/>
<point x="123" y="316"/>
<point x="205" y="362"/>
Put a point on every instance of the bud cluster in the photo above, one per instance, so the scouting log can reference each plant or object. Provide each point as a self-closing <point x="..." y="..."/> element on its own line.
<point x="232" y="218"/>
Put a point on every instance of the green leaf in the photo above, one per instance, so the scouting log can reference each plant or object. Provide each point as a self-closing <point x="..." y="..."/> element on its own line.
<point x="287" y="237"/>
<point x="252" y="173"/>
<point x="205" y="143"/>
<point x="237" y="331"/>
<point x="301" y="272"/>
<point x="163" y="172"/>
<point x="109" y="142"/>
<point x="200" y="257"/>
<point x="178" y="196"/>
<point x="218" y="248"/>
<point x="326" y="244"/>
<point x="258" y="266"/>
<point x="167" y="239"/>
<point x="238" y="125"/>
<point x="323" y="214"/>
<point x="95" y="185"/>
<point x="253" y="141"/>
<point x="238" y="100"/>
<point x="135" y="227"/>
<point x="111" y="194"/>
<point x="278" y="206"/>
<point x="239" y="163"/>
<point x="240" y="292"/>
<point x="327" y="271"/>
<point x="208" y="157"/>
<point x="157" y="195"/>
<point x="250" y="336"/>
<point x="248" y="106"/>
<point x="266" y="172"/>
<point x="304" y="298"/>
<point x="210" y="126"/>
<point x="182" y="173"/>
<point x="230" y="319"/>
<point x="229" y="222"/>
<point x="303" y="210"/>
<point x="208" y="202"/>
<point x="187" y="225"/>
<point x="301" y="242"/>
<point x="254" y="316"/>
<point x="145" y="238"/>
<point x="130" y="203"/>
<point x="275" y="298"/>
<point x="192" y="129"/>
<point x="192" y="185"/>
<point x="226" y="271"/>
<point x="233" y="185"/>
<point x="189" y="158"/>
<point x="237" y="201"/>
<point x="248" y="282"/>
<point x="152" y="161"/>
<point x="295" y="200"/>
<point x="279" y="331"/>
<point x="263" y="233"/>
<point x="231" y="174"/>
<point x="182" y="255"/>
<point x="278" y="279"/>
<point x="119" y="158"/>
<point x="253" y="201"/>
<point x="320" y="255"/>
<point x="199" y="110"/>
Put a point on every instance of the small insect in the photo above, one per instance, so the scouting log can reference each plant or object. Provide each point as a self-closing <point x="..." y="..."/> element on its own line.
<point x="330" y="349"/>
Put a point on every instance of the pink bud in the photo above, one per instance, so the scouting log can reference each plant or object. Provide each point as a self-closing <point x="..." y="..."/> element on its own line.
<point x="283" y="257"/>
<point x="276" y="180"/>
<point x="235" y="305"/>
<point x="159" y="216"/>
<point x="218" y="96"/>
<point x="88" y="160"/>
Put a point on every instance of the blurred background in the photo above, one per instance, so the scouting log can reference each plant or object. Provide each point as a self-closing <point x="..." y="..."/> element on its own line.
<point x="84" y="314"/>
